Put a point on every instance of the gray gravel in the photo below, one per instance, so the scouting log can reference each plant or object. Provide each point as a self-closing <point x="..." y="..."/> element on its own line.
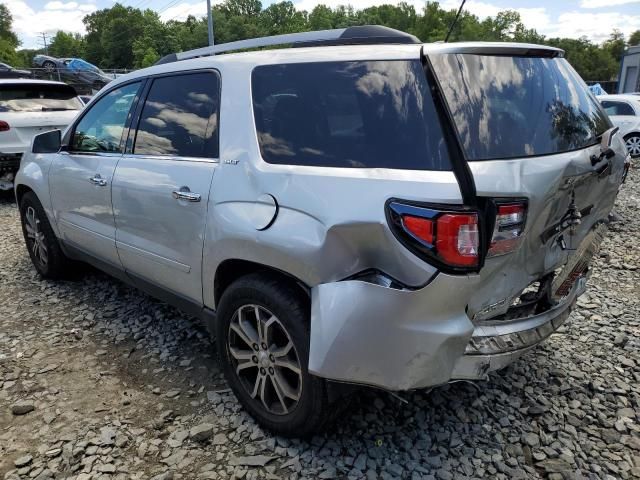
<point x="99" y="381"/>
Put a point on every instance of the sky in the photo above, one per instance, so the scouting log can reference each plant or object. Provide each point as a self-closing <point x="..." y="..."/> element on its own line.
<point x="555" y="18"/>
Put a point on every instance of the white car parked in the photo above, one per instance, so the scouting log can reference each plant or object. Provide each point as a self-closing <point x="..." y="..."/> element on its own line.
<point x="27" y="108"/>
<point x="624" y="111"/>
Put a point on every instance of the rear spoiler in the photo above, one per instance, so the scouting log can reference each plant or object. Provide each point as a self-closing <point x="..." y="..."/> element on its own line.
<point x="494" y="48"/>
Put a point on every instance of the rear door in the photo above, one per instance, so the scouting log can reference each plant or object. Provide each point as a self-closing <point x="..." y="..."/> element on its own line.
<point x="161" y="185"/>
<point x="530" y="130"/>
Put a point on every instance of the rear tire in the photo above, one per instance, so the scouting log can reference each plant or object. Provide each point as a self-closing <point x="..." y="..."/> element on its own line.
<point x="262" y="337"/>
<point x="632" y="142"/>
<point x="41" y="241"/>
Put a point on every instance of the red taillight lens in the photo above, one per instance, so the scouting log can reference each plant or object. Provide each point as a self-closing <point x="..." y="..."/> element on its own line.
<point x="507" y="233"/>
<point x="454" y="237"/>
<point x="4" y="126"/>
<point x="419" y="227"/>
<point x="458" y="239"/>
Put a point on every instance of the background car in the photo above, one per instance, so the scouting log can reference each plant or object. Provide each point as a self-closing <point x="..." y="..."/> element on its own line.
<point x="7" y="71"/>
<point x="624" y="111"/>
<point x="27" y="108"/>
<point x="72" y="70"/>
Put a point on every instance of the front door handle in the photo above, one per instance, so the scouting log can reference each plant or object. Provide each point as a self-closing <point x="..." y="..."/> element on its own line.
<point x="185" y="194"/>
<point x="98" y="180"/>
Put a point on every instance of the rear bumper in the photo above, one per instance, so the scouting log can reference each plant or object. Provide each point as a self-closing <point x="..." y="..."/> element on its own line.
<point x="402" y="339"/>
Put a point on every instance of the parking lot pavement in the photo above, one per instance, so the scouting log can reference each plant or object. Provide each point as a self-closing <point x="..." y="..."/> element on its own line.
<point x="99" y="381"/>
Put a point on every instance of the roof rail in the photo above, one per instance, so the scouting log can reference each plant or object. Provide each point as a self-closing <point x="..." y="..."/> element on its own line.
<point x="359" y="35"/>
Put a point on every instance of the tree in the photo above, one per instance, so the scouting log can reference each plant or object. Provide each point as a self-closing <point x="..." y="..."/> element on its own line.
<point x="634" y="39"/>
<point x="6" y="27"/>
<point x="279" y="18"/>
<point x="615" y="45"/>
<point x="67" y="45"/>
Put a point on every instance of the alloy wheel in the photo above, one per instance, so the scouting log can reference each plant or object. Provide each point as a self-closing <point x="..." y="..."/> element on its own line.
<point x="633" y="146"/>
<point x="265" y="359"/>
<point x="35" y="237"/>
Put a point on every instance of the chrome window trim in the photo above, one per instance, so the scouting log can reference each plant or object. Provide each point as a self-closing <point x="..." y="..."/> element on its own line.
<point x="172" y="158"/>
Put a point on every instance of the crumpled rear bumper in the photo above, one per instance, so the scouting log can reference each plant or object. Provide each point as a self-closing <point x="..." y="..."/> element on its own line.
<point x="407" y="339"/>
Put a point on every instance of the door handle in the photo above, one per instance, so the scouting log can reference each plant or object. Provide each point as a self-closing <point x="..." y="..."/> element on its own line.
<point x="185" y="194"/>
<point x="98" y="180"/>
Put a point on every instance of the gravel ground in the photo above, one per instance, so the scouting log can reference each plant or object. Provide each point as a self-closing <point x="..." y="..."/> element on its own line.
<point x="99" y="381"/>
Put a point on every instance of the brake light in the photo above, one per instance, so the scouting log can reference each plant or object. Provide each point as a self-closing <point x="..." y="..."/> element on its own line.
<point x="420" y="227"/>
<point x="457" y="239"/>
<point x="4" y="126"/>
<point x="508" y="229"/>
<point x="452" y="237"/>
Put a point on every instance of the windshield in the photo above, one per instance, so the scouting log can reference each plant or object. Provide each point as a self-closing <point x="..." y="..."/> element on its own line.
<point x="508" y="107"/>
<point x="38" y="98"/>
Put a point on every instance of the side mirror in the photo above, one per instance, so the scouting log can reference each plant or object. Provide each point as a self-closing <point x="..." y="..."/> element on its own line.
<point x="48" y="142"/>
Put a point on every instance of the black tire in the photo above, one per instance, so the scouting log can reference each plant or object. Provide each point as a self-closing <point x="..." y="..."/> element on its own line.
<point x="57" y="264"/>
<point x="285" y="302"/>
<point x="632" y="142"/>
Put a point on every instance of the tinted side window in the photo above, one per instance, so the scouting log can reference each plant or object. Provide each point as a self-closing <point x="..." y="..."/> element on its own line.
<point x="180" y="117"/>
<point x="100" y="129"/>
<point x="617" y="108"/>
<point x="348" y="114"/>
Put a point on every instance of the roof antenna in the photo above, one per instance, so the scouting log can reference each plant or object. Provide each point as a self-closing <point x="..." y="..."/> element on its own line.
<point x="455" y="20"/>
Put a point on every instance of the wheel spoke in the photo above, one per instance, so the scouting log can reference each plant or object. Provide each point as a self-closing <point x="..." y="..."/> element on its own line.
<point x="286" y="388"/>
<point x="289" y="365"/>
<point x="266" y="328"/>
<point x="31" y="233"/>
<point x="259" y="325"/>
<point x="280" y="394"/>
<point x="44" y="256"/>
<point x="244" y="366"/>
<point x="262" y="393"/>
<point x="283" y="351"/>
<point x="256" y="386"/>
<point x="240" y="354"/>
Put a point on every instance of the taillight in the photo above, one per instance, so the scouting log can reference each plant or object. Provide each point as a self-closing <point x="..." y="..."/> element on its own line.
<point x="4" y="126"/>
<point x="508" y="229"/>
<point x="449" y="239"/>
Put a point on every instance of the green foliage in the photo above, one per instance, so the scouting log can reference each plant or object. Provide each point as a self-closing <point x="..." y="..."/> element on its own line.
<point x="67" y="45"/>
<point x="127" y="37"/>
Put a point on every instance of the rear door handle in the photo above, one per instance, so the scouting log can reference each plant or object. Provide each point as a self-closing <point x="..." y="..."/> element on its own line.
<point x="186" y="195"/>
<point x="98" y="180"/>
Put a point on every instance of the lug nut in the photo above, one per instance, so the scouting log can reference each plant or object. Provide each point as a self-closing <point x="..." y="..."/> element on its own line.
<point x="263" y="371"/>
<point x="264" y="346"/>
<point x="255" y="347"/>
<point x="272" y="358"/>
<point x="254" y="359"/>
<point x="270" y="370"/>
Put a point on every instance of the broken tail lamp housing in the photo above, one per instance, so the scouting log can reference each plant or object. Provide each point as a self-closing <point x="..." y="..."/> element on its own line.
<point x="448" y="238"/>
<point x="508" y="227"/>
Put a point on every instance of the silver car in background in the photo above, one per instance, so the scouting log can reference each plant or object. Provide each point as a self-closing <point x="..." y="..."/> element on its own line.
<point x="396" y="216"/>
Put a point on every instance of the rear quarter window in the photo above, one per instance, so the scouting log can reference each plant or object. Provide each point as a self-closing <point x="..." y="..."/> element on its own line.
<point x="374" y="114"/>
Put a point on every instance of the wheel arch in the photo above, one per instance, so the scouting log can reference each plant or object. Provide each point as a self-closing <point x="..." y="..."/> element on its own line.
<point x="231" y="270"/>
<point x="21" y="190"/>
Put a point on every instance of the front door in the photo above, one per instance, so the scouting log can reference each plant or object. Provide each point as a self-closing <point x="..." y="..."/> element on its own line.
<point x="161" y="187"/>
<point x="80" y="177"/>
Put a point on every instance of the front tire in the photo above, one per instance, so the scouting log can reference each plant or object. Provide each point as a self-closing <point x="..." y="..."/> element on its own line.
<point x="40" y="239"/>
<point x="632" y="143"/>
<point x="262" y="336"/>
<point x="49" y="66"/>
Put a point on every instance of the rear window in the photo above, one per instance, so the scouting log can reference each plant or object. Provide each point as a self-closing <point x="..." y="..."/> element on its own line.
<point x="507" y="107"/>
<point x="38" y="98"/>
<point x="617" y="108"/>
<point x="348" y="114"/>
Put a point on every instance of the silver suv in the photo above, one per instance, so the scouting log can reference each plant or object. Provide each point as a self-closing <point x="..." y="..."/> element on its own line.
<point x="362" y="209"/>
